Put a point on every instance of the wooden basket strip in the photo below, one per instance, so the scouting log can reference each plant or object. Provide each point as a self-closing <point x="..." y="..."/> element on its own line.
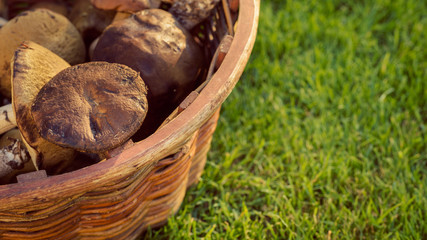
<point x="163" y="174"/>
<point x="202" y="148"/>
<point x="176" y="175"/>
<point x="165" y="207"/>
<point x="90" y="222"/>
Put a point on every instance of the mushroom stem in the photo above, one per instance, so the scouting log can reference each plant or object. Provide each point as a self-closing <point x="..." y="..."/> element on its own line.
<point x="7" y="118"/>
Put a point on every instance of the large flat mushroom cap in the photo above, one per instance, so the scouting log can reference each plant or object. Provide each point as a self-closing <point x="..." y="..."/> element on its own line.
<point x="91" y="107"/>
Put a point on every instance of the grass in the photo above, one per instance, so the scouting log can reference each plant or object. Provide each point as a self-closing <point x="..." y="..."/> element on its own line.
<point x="324" y="137"/>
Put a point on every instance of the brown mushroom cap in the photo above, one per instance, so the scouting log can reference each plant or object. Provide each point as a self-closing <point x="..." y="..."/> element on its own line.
<point x="91" y="107"/>
<point x="153" y="43"/>
<point x="126" y="5"/>
<point x="51" y="30"/>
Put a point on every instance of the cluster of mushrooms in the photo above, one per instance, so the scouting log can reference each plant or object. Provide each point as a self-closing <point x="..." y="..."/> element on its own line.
<point x="81" y="79"/>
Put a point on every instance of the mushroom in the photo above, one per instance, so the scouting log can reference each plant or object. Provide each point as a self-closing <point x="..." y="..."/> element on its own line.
<point x="91" y="107"/>
<point x="90" y="21"/>
<point x="7" y="118"/>
<point x="49" y="29"/>
<point x="192" y="12"/>
<point x="119" y="16"/>
<point x="13" y="156"/>
<point x="11" y="142"/>
<point x="154" y="44"/>
<point x="58" y="7"/>
<point x="126" y="5"/>
<point x="32" y="67"/>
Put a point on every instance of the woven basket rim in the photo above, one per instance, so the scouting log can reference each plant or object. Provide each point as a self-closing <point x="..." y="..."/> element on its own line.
<point x="162" y="141"/>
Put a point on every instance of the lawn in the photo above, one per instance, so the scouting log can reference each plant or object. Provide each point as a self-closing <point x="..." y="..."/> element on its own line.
<point x="324" y="137"/>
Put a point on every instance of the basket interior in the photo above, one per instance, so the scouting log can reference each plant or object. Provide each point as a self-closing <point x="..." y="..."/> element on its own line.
<point x="168" y="140"/>
<point x="208" y="34"/>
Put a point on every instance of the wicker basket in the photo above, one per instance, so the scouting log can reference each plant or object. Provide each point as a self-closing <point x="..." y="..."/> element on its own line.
<point x="145" y="184"/>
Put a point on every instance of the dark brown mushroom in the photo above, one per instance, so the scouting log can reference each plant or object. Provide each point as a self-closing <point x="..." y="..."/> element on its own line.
<point x="90" y="21"/>
<point x="91" y="107"/>
<point x="153" y="43"/>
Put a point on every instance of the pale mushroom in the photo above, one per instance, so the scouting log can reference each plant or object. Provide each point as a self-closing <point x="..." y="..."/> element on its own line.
<point x="13" y="140"/>
<point x="92" y="107"/>
<point x="49" y="29"/>
<point x="7" y="118"/>
<point x="192" y="12"/>
<point x="126" y="5"/>
<point x="13" y="156"/>
<point x="154" y="44"/>
<point x="32" y="67"/>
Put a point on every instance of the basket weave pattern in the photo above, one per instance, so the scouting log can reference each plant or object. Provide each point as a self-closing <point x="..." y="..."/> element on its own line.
<point x="149" y="200"/>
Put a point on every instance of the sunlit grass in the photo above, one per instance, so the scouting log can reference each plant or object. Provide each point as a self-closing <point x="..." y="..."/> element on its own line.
<point x="325" y="134"/>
